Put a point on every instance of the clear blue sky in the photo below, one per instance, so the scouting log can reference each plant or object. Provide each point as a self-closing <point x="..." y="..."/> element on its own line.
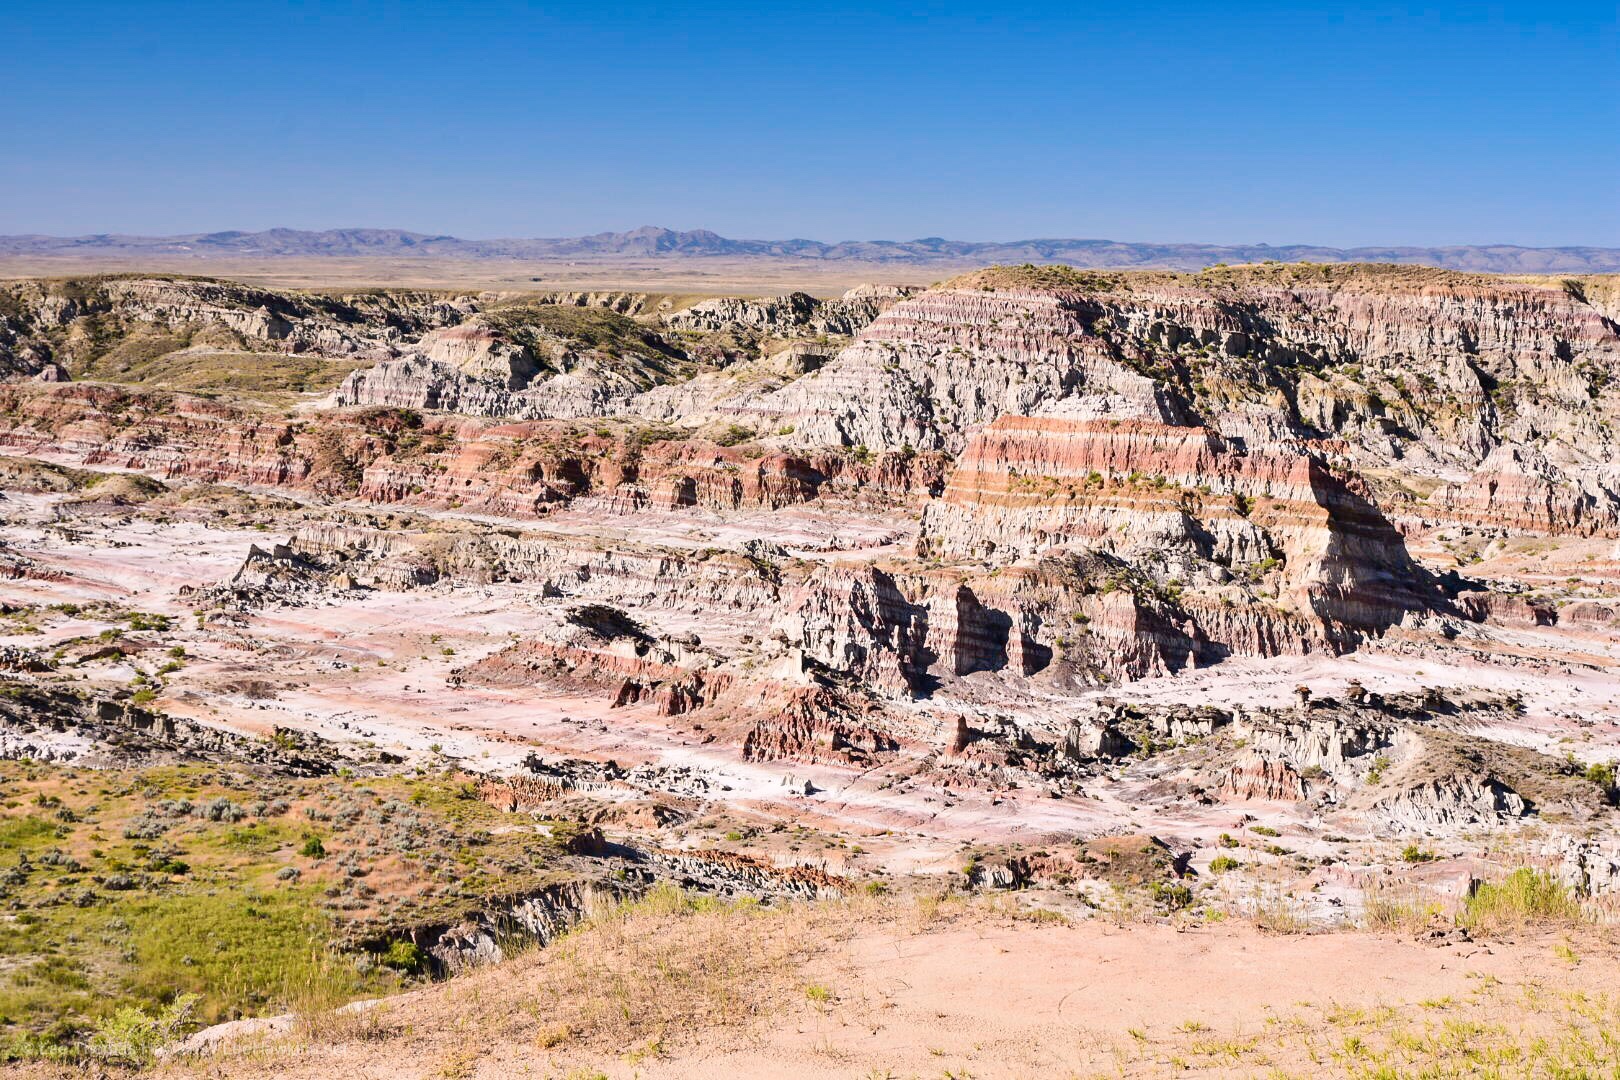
<point x="1449" y="122"/>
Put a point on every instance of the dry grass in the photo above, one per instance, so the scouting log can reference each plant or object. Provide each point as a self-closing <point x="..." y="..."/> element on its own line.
<point x="643" y="979"/>
<point x="1497" y="1030"/>
<point x="1403" y="908"/>
<point x="1524" y="900"/>
<point x="665" y="986"/>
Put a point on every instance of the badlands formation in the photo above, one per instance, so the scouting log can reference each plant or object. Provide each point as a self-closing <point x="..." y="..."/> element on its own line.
<point x="1283" y="592"/>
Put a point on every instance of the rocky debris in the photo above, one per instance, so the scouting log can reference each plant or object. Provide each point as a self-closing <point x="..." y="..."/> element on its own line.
<point x="16" y="658"/>
<point x="1326" y="739"/>
<point x="534" y="919"/>
<point x="794" y="315"/>
<point x="1095" y="738"/>
<point x="279" y="577"/>
<point x="1453" y="802"/>
<point x="1182" y="723"/>
<point x="49" y="723"/>
<point x="731" y="874"/>
<point x="1589" y="865"/>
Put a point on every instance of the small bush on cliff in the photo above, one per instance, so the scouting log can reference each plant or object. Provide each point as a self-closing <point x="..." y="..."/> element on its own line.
<point x="734" y="434"/>
<point x="1602" y="774"/>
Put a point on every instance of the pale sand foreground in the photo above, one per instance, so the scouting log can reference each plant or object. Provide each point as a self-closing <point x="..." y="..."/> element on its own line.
<point x="874" y="990"/>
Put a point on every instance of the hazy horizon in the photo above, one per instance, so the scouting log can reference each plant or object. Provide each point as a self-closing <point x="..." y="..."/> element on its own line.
<point x="827" y="240"/>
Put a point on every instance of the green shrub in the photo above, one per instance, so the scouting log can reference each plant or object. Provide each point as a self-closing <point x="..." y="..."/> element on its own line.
<point x="1602" y="774"/>
<point x="1523" y="898"/>
<point x="734" y="434"/>
<point x="1220" y="864"/>
<point x="405" y="956"/>
<point x="131" y="1036"/>
<point x="1171" y="897"/>
<point x="140" y="620"/>
<point x="313" y="848"/>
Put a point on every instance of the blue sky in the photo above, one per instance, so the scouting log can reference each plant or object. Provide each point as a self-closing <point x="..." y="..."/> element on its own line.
<point x="1220" y="122"/>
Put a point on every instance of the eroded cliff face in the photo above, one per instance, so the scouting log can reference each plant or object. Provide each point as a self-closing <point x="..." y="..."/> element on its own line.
<point x="1493" y="398"/>
<point x="1088" y="478"/>
<point x="933" y="366"/>
<point x="791" y="316"/>
<point x="387" y="455"/>
<point x="1179" y="504"/>
<point x="1419" y="372"/>
<point x="58" y="327"/>
<point x="516" y="363"/>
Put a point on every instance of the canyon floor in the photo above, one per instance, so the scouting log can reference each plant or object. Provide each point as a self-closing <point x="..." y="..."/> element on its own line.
<point x="1041" y="673"/>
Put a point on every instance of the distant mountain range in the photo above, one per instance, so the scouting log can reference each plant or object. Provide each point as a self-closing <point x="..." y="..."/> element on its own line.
<point x="652" y="242"/>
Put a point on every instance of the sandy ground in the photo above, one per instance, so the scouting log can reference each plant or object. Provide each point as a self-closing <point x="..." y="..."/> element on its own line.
<point x="987" y="996"/>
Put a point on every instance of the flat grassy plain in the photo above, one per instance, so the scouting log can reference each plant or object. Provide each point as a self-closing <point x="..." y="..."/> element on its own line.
<point x="705" y="276"/>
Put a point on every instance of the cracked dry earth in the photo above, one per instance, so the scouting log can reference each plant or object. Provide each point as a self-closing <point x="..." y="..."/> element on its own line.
<point x="1280" y="594"/>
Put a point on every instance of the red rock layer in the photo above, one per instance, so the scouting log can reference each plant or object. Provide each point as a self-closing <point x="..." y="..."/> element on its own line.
<point x="1025" y="484"/>
<point x="799" y="719"/>
<point x="1519" y="490"/>
<point x="393" y="456"/>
